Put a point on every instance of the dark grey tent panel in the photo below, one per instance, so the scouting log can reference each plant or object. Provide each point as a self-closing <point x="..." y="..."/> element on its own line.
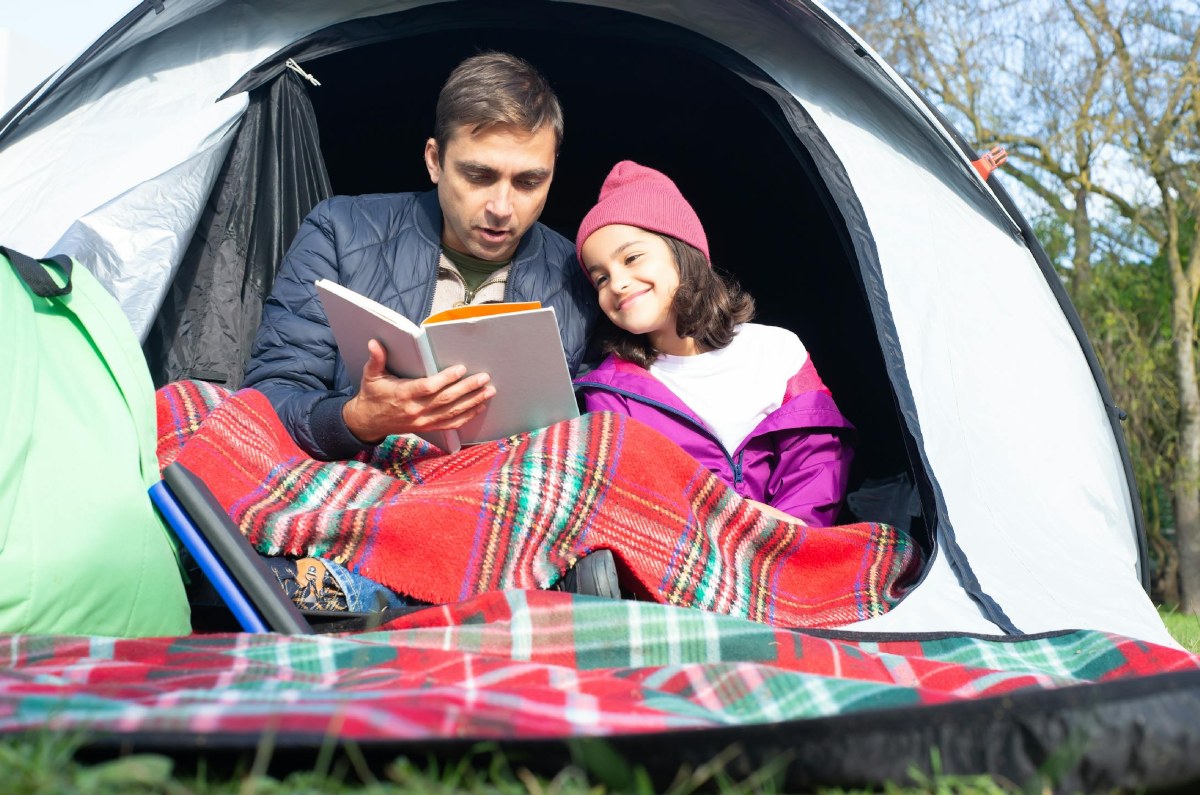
<point x="272" y="177"/>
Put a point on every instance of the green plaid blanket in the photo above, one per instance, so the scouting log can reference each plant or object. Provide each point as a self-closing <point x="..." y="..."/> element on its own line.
<point x="528" y="664"/>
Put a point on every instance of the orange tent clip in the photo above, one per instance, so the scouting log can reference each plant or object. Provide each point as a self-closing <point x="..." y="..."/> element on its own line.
<point x="990" y="162"/>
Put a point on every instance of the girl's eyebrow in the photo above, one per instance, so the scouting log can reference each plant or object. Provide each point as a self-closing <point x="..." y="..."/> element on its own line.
<point x="616" y="251"/>
<point x="624" y="246"/>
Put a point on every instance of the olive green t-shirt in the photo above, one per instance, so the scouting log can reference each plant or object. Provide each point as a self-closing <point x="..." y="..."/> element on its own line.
<point x="474" y="271"/>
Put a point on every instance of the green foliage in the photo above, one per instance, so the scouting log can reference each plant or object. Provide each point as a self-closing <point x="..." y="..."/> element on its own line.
<point x="1055" y="236"/>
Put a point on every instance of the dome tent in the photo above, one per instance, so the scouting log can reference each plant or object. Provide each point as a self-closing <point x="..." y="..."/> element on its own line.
<point x="172" y="157"/>
<point x="938" y="324"/>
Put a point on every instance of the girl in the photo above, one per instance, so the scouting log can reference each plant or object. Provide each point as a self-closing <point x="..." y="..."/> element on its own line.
<point x="743" y="399"/>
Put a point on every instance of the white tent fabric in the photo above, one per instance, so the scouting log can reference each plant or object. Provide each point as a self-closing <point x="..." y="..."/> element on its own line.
<point x="24" y="63"/>
<point x="149" y="224"/>
<point x="87" y="172"/>
<point x="1013" y="429"/>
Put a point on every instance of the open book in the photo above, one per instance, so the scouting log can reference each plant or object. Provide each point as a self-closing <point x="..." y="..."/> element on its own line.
<point x="517" y="344"/>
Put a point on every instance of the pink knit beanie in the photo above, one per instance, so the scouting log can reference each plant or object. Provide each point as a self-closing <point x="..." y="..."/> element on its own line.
<point x="638" y="196"/>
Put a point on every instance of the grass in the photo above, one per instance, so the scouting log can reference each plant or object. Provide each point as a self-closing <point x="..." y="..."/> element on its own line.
<point x="48" y="765"/>
<point x="1184" y="628"/>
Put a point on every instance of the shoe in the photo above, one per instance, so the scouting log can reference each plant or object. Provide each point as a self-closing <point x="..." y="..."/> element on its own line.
<point x="594" y="575"/>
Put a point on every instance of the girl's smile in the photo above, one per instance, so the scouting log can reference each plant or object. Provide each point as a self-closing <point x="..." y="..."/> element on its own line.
<point x="624" y="302"/>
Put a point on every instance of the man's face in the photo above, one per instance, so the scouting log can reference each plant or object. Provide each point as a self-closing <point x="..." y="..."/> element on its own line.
<point x="492" y="187"/>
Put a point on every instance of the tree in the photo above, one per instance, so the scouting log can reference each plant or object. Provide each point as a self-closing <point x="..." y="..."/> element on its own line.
<point x="1154" y="49"/>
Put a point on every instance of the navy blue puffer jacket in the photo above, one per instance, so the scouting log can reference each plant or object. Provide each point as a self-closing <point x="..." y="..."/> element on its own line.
<point x="385" y="246"/>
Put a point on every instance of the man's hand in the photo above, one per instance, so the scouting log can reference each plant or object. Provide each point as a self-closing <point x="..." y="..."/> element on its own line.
<point x="775" y="513"/>
<point x="386" y="405"/>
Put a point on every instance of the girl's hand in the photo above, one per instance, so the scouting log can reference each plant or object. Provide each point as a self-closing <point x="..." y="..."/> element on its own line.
<point x="775" y="513"/>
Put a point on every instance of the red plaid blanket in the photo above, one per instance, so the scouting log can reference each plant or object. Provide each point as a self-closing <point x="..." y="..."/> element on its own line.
<point x="518" y="512"/>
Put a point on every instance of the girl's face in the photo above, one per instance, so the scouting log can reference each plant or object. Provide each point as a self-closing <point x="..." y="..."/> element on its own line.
<point x="635" y="277"/>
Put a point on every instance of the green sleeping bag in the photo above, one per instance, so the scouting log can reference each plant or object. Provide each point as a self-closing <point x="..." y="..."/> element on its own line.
<point x="82" y="550"/>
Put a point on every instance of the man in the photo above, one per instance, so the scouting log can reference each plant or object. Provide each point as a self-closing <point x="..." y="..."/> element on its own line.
<point x="474" y="239"/>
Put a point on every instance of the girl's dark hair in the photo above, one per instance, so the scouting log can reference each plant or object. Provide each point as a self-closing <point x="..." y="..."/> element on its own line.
<point x="707" y="307"/>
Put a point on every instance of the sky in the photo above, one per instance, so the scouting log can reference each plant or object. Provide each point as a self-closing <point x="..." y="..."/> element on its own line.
<point x="38" y="36"/>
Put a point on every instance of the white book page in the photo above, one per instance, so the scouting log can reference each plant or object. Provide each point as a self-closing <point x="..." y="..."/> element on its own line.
<point x="523" y="354"/>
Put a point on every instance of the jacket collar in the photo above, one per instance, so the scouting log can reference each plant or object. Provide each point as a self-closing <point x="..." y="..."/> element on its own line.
<point x="620" y="374"/>
<point x="428" y="216"/>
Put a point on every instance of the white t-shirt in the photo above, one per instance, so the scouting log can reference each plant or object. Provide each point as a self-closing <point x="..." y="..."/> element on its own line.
<point x="734" y="388"/>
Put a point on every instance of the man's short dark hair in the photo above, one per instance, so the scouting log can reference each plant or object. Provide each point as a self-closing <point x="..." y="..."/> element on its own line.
<point x="496" y="88"/>
<point x="707" y="305"/>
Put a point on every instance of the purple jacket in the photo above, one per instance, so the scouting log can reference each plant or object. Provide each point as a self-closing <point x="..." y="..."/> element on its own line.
<point x="797" y="459"/>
